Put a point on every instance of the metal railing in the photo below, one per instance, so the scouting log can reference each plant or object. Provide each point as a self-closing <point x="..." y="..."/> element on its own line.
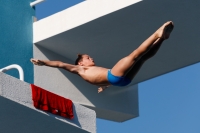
<point x="14" y="66"/>
<point x="36" y="2"/>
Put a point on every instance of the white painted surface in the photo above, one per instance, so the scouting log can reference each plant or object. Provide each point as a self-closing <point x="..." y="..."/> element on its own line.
<point x="20" y="92"/>
<point x="75" y="16"/>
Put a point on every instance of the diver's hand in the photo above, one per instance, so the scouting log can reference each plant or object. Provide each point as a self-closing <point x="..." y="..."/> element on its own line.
<point x="37" y="62"/>
<point x="102" y="88"/>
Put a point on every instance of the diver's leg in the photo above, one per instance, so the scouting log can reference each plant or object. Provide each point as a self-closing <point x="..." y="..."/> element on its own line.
<point x="123" y="66"/>
<point x="153" y="50"/>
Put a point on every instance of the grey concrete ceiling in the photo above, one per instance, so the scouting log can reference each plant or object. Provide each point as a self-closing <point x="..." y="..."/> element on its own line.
<point x="111" y="37"/>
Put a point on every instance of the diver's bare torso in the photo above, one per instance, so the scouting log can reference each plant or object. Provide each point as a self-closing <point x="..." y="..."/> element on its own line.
<point x="94" y="75"/>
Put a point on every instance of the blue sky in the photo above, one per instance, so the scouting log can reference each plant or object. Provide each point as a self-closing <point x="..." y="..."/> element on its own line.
<point x="167" y="104"/>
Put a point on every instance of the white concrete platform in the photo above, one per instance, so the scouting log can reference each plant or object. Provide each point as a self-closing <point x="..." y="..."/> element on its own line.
<point x="108" y="31"/>
<point x="17" y="113"/>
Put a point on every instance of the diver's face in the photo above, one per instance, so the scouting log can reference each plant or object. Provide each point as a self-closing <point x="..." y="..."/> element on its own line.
<point x="86" y="61"/>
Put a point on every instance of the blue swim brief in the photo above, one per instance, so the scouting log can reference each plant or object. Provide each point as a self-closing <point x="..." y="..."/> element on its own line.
<point x="116" y="80"/>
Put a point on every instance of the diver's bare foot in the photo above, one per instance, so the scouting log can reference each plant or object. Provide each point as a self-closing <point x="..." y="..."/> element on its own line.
<point x="165" y="30"/>
<point x="37" y="62"/>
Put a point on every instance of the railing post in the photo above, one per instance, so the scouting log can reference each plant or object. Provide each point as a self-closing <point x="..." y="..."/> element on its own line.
<point x="14" y="66"/>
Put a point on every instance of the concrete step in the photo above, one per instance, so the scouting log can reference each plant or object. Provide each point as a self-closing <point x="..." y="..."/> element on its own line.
<point x="17" y="113"/>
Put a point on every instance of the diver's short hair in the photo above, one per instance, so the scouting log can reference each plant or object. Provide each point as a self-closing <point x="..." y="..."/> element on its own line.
<point x="79" y="58"/>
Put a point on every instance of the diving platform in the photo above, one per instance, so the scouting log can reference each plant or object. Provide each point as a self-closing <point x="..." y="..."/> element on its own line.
<point x="18" y="114"/>
<point x="108" y="31"/>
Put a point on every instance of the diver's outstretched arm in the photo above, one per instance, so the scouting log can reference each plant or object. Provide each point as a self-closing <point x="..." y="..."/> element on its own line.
<point x="58" y="64"/>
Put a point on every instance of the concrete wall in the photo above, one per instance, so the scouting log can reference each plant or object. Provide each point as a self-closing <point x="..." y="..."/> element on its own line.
<point x="16" y="36"/>
<point x="33" y="120"/>
<point x="116" y="104"/>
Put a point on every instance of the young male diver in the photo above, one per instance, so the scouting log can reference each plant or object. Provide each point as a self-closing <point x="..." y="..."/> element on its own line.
<point x="123" y="71"/>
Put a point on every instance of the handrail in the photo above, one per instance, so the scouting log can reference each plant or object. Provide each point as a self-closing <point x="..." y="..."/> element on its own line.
<point x="36" y="2"/>
<point x="14" y="66"/>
